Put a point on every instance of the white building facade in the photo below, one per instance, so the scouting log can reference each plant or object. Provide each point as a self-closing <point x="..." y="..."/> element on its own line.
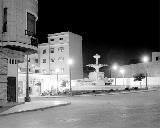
<point x="60" y="48"/>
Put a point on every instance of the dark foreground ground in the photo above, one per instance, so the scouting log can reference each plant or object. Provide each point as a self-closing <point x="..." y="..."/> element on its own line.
<point x="134" y="110"/>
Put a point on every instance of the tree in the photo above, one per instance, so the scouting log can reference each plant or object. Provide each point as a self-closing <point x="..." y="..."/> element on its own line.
<point x="139" y="77"/>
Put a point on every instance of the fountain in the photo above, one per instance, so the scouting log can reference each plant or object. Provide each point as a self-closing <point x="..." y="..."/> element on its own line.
<point x="97" y="76"/>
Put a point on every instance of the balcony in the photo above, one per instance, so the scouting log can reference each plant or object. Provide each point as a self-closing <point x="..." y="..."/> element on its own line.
<point x="30" y="46"/>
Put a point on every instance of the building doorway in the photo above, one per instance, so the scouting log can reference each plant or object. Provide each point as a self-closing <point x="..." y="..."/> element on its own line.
<point x="11" y="89"/>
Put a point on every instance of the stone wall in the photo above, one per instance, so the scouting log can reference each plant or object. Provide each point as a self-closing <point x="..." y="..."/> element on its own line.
<point x="3" y="77"/>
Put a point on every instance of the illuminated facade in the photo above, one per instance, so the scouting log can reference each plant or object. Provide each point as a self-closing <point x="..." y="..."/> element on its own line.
<point x="50" y="57"/>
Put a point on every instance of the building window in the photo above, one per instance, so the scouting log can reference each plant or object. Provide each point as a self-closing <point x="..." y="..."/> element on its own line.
<point x="44" y="51"/>
<point x="62" y="70"/>
<point x="52" y="50"/>
<point x="31" y="24"/>
<point x="15" y="61"/>
<point x="52" y="71"/>
<point x="157" y="58"/>
<point x="61" y="49"/>
<point x="36" y="60"/>
<point x="36" y="71"/>
<point x="12" y="61"/>
<point x="51" y="39"/>
<point x="5" y="20"/>
<point x="61" y="58"/>
<point x="29" y="60"/>
<point x="44" y="60"/>
<point x="61" y="38"/>
<point x="44" y="71"/>
<point x="52" y="59"/>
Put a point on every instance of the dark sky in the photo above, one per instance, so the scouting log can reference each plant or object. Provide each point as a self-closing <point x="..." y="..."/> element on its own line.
<point x="117" y="30"/>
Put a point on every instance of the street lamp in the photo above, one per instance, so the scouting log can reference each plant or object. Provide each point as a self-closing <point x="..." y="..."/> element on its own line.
<point x="115" y="67"/>
<point x="145" y="59"/>
<point x="122" y="71"/>
<point x="27" y="98"/>
<point x="57" y="71"/>
<point x="70" y="62"/>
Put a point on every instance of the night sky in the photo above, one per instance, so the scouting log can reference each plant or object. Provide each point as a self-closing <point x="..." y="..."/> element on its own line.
<point x="120" y="31"/>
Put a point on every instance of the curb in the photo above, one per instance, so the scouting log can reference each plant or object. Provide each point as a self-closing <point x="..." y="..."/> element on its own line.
<point x="11" y="104"/>
<point x="42" y="109"/>
<point x="116" y="93"/>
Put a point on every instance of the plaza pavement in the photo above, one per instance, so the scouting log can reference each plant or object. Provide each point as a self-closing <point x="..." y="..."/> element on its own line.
<point x="22" y="106"/>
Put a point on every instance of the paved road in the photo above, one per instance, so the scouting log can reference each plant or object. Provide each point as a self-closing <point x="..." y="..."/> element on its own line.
<point x="137" y="110"/>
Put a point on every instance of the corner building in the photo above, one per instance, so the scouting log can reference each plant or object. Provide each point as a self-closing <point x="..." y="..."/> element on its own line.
<point x="17" y="38"/>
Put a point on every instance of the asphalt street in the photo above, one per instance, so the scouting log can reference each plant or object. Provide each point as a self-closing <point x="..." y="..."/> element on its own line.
<point x="135" y="110"/>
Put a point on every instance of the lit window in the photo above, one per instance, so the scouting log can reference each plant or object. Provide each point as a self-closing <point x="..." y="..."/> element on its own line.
<point x="61" y="58"/>
<point x="52" y="50"/>
<point x="52" y="71"/>
<point x="61" y="49"/>
<point x="52" y="59"/>
<point x="62" y="70"/>
<point x="44" y="51"/>
<point x="44" y="60"/>
<point x="44" y="71"/>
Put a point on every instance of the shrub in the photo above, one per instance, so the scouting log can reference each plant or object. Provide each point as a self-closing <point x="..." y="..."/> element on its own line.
<point x="127" y="89"/>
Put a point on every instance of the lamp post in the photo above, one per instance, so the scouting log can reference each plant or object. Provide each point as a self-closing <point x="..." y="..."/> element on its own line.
<point x="114" y="67"/>
<point x="122" y="71"/>
<point x="27" y="98"/>
<point x="57" y="71"/>
<point x="145" y="59"/>
<point x="70" y="62"/>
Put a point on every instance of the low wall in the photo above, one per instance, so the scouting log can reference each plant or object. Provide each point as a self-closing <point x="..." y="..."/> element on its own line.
<point x="151" y="82"/>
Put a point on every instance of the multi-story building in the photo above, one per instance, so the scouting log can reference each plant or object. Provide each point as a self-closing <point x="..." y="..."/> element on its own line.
<point x="60" y="48"/>
<point x="17" y="38"/>
<point x="52" y="56"/>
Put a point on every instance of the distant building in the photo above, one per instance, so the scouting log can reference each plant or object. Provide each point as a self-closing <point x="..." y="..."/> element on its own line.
<point x="52" y="56"/>
<point x="55" y="55"/>
<point x="17" y="38"/>
<point x="60" y="48"/>
<point x="155" y="56"/>
<point x="152" y="68"/>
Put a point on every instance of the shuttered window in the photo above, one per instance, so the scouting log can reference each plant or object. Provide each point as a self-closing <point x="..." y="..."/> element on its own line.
<point x="31" y="24"/>
<point x="5" y="20"/>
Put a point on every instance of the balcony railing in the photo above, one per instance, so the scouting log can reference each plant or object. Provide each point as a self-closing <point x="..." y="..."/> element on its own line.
<point x="33" y="37"/>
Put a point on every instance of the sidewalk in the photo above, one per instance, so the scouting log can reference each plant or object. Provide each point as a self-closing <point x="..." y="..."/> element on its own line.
<point x="32" y="106"/>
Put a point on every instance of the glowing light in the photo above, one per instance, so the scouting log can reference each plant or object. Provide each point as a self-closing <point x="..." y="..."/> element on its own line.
<point x="70" y="61"/>
<point x="145" y="59"/>
<point x="57" y="70"/>
<point x="122" y="71"/>
<point x="114" y="67"/>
